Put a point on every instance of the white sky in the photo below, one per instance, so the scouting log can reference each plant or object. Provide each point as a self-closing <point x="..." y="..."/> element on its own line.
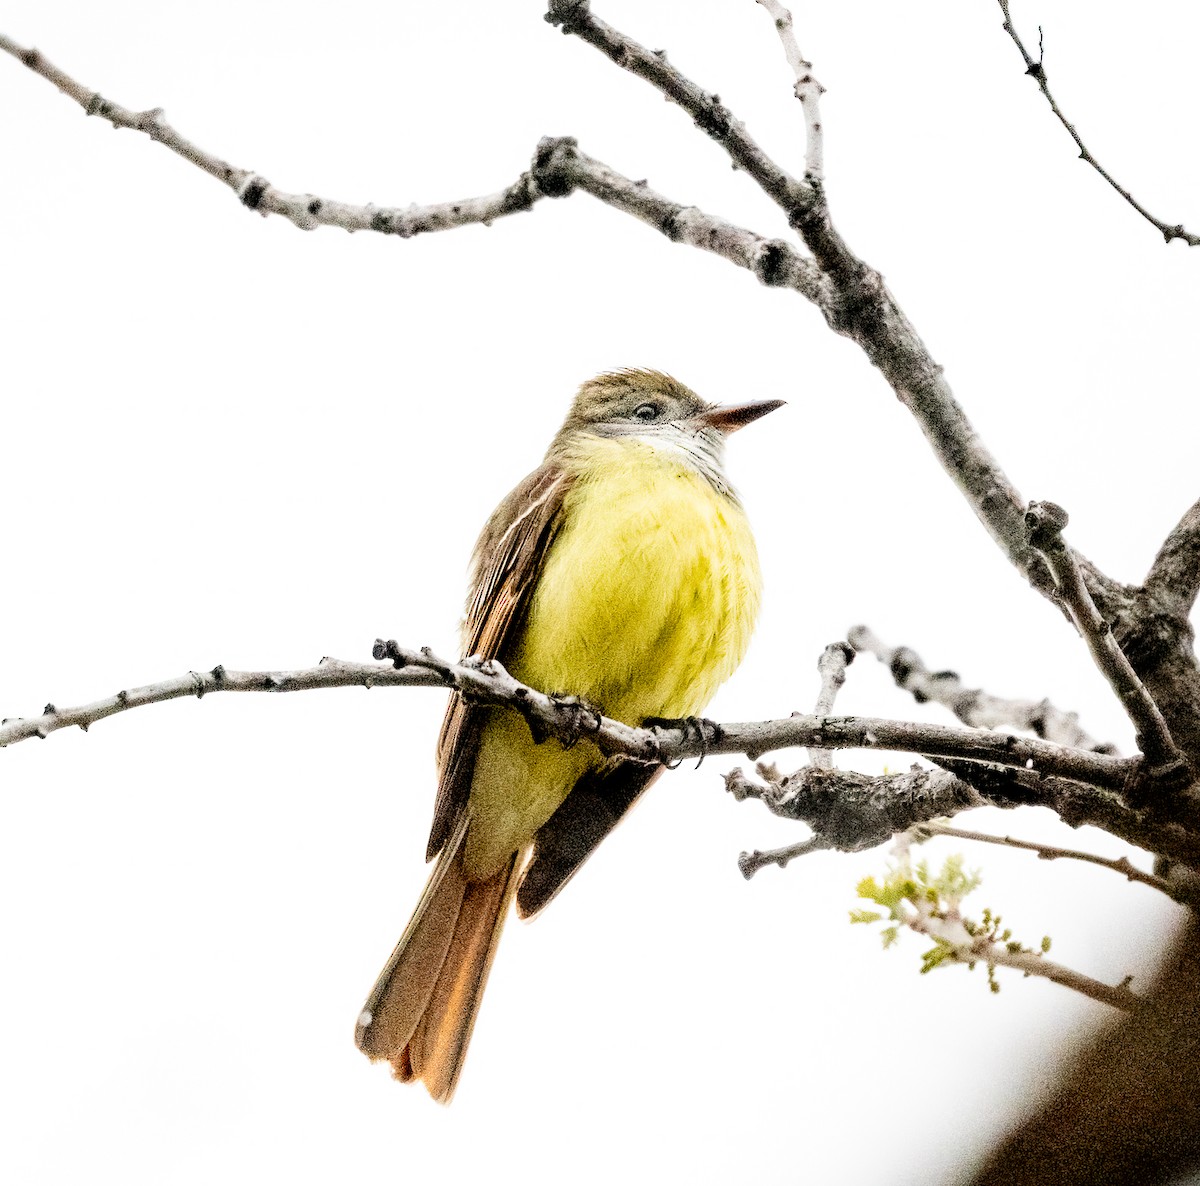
<point x="226" y="441"/>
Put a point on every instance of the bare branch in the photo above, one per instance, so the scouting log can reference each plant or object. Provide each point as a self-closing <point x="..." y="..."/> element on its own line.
<point x="1049" y="852"/>
<point x="711" y="115"/>
<point x="808" y="90"/>
<point x="1037" y="71"/>
<point x="973" y="706"/>
<point x="488" y="683"/>
<point x="853" y="812"/>
<point x="1174" y="578"/>
<point x="329" y="673"/>
<point x="485" y="682"/>
<point x="934" y="741"/>
<point x="832" y="664"/>
<point x="560" y="168"/>
<point x="1145" y="828"/>
<point x="255" y="192"/>
<point x="750" y="862"/>
<point x="862" y="308"/>
<point x="1046" y="521"/>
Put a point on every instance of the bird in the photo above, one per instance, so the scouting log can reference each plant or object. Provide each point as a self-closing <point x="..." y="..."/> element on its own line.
<point x="621" y="572"/>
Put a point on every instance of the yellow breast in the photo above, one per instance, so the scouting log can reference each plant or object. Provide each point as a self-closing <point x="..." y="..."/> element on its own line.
<point x="645" y="605"/>
<point x="648" y="598"/>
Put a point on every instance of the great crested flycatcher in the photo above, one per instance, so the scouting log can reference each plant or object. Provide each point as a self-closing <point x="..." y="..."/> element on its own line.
<point x="622" y="571"/>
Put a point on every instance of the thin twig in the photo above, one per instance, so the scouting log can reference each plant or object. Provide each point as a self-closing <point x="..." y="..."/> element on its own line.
<point x="1049" y="852"/>
<point x="969" y="949"/>
<point x="973" y="706"/>
<point x="751" y="862"/>
<point x="808" y="90"/>
<point x="1037" y="71"/>
<point x="832" y="664"/>
<point x="1046" y="521"/>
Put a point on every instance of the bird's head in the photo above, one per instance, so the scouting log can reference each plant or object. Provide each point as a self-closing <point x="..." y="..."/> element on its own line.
<point x="653" y="407"/>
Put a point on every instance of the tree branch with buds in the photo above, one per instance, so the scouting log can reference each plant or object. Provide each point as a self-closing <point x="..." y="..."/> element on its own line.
<point x="931" y="904"/>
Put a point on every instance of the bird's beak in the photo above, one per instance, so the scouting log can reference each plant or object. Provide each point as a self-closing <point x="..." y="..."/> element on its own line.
<point x="729" y="418"/>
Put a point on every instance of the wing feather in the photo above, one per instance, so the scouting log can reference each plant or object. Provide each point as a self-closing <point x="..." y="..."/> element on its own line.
<point x="507" y="562"/>
<point x="592" y="809"/>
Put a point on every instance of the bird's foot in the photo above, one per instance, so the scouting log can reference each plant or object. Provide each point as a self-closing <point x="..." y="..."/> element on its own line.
<point x="699" y="729"/>
<point x="581" y="717"/>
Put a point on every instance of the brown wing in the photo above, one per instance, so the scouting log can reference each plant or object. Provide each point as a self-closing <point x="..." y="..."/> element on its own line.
<point x="594" y="806"/>
<point x="506" y="565"/>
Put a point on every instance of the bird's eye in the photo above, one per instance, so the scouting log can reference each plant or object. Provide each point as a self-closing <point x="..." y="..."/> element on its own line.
<point x="646" y="412"/>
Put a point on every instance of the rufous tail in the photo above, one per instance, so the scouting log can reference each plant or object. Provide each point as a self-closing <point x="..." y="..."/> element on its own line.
<point x="420" y="1014"/>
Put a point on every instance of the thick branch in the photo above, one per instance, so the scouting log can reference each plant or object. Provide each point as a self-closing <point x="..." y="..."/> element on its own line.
<point x="1036" y="70"/>
<point x="1174" y="578"/>
<point x="851" y="811"/>
<point x="973" y="706"/>
<point x="1081" y="807"/>
<point x="1153" y="629"/>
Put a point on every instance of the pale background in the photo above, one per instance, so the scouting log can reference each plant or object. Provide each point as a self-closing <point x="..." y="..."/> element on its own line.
<point x="225" y="441"/>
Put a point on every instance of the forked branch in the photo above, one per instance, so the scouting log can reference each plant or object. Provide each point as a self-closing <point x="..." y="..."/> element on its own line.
<point x="851" y="296"/>
<point x="1046" y="521"/>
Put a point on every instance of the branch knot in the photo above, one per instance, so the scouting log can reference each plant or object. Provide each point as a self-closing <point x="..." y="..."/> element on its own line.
<point x="552" y="165"/>
<point x="569" y="15"/>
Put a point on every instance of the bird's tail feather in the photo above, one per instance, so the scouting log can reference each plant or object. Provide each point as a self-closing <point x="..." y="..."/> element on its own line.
<point x="420" y="1014"/>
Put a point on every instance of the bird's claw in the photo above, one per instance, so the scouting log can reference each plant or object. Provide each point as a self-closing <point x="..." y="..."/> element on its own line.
<point x="699" y="729"/>
<point x="582" y="716"/>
